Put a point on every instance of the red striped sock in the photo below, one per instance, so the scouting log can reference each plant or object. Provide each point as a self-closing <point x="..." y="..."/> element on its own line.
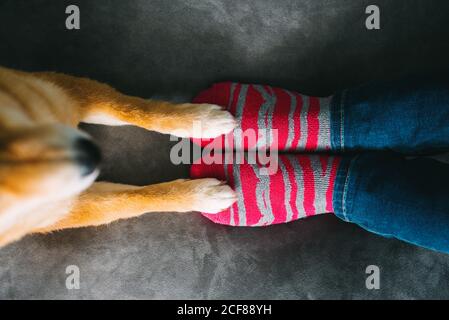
<point x="302" y="123"/>
<point x="302" y="186"/>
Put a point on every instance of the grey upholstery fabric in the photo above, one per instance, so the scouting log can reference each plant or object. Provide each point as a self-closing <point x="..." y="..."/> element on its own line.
<point x="173" y="49"/>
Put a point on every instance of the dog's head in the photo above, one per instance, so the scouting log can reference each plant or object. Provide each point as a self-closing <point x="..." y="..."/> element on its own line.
<point x="45" y="163"/>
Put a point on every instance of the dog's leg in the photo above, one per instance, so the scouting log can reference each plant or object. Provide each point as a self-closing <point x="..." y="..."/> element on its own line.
<point x="101" y="104"/>
<point x="107" y="202"/>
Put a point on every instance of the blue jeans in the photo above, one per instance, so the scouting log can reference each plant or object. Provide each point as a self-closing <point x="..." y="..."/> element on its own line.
<point x="379" y="188"/>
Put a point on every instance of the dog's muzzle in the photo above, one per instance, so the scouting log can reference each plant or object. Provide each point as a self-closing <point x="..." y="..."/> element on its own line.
<point x="88" y="155"/>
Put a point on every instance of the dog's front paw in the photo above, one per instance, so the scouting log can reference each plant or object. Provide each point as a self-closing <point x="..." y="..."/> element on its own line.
<point x="211" y="196"/>
<point x="205" y="121"/>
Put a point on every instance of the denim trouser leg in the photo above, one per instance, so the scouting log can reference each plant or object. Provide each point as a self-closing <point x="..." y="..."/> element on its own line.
<point x="394" y="197"/>
<point x="385" y="193"/>
<point x="407" y="116"/>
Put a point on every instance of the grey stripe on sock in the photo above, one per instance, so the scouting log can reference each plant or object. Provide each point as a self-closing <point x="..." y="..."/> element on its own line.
<point x="231" y="210"/>
<point x="303" y="122"/>
<point x="238" y="115"/>
<point x="291" y="120"/>
<point x="240" y="197"/>
<point x="265" y="116"/>
<point x="231" y="97"/>
<point x="241" y="102"/>
<point x="324" y="118"/>
<point x="321" y="182"/>
<point x="263" y="197"/>
<point x="299" y="177"/>
<point x="288" y="190"/>
<point x="272" y="106"/>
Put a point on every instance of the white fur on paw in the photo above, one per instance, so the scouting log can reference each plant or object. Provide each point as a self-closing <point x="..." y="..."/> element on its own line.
<point x="212" y="196"/>
<point x="210" y="121"/>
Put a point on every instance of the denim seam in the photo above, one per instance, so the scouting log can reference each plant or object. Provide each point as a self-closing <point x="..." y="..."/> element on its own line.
<point x="342" y="120"/>
<point x="330" y="122"/>
<point x="345" y="188"/>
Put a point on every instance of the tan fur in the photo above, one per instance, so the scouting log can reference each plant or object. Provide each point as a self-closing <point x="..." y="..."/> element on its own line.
<point x="41" y="189"/>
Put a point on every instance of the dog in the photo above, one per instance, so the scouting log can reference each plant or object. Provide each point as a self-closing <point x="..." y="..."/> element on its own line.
<point x="48" y="167"/>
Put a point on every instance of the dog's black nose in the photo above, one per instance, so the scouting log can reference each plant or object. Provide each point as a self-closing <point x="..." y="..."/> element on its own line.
<point x="88" y="155"/>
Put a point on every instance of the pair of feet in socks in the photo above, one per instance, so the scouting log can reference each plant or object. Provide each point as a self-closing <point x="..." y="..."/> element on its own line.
<point x="278" y="119"/>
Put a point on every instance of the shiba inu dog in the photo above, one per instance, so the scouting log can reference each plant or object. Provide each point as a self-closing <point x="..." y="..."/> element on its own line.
<point x="48" y="167"/>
